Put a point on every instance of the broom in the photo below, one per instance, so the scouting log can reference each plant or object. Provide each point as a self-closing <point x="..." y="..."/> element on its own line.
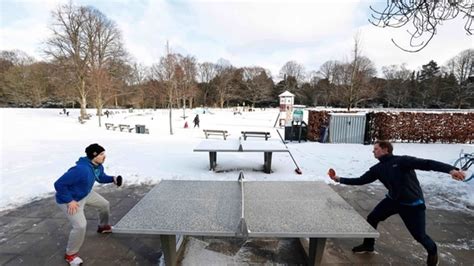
<point x="297" y="170"/>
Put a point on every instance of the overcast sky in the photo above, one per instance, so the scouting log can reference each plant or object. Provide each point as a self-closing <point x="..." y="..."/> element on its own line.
<point x="266" y="33"/>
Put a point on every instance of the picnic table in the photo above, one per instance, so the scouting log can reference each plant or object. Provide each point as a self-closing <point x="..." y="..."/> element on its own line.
<point x="282" y="209"/>
<point x="213" y="146"/>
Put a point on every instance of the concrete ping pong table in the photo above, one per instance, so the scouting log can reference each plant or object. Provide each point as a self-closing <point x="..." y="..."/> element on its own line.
<point x="282" y="209"/>
<point x="237" y="145"/>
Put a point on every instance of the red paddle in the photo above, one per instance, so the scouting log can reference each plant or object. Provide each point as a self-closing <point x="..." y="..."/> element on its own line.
<point x="331" y="173"/>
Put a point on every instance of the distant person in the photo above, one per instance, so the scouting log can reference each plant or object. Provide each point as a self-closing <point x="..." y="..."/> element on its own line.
<point x="64" y="110"/>
<point x="196" y="121"/>
<point x="67" y="113"/>
<point x="107" y="113"/>
<point x="404" y="196"/>
<point x="74" y="192"/>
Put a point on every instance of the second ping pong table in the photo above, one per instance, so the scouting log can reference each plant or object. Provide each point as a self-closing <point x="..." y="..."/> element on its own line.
<point x="244" y="209"/>
<point x="237" y="145"/>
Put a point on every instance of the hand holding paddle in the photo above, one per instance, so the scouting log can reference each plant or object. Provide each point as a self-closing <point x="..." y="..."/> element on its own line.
<point x="332" y="175"/>
<point x="118" y="180"/>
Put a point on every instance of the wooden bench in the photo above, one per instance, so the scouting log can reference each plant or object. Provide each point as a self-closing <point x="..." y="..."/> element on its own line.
<point x="256" y="134"/>
<point x="110" y="126"/>
<point x="222" y="133"/>
<point x="123" y="127"/>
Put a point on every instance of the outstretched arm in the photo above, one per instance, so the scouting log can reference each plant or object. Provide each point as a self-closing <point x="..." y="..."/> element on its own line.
<point x="426" y="164"/>
<point x="431" y="165"/>
<point x="367" y="177"/>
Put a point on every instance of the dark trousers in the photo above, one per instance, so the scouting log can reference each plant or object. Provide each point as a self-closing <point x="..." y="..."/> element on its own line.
<point x="412" y="216"/>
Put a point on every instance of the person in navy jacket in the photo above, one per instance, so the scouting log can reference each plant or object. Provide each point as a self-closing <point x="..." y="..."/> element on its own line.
<point x="404" y="197"/>
<point x="74" y="192"/>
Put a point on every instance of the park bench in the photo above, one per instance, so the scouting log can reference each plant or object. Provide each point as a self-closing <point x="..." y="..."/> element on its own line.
<point x="123" y="127"/>
<point x="256" y="134"/>
<point x="208" y="132"/>
<point x="110" y="126"/>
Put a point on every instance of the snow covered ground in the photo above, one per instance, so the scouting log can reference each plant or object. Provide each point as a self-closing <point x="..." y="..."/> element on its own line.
<point x="39" y="145"/>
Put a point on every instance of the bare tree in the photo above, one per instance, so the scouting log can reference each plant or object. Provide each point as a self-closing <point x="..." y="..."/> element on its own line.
<point x="188" y="85"/>
<point x="165" y="72"/>
<point x="65" y="82"/>
<point x="356" y="76"/>
<point x="258" y="84"/>
<point x="68" y="46"/>
<point x="424" y="16"/>
<point x="104" y="44"/>
<point x="462" y="67"/>
<point x="18" y="77"/>
<point x="15" y="86"/>
<point x="293" y="74"/>
<point x="16" y="57"/>
<point x="38" y="83"/>
<point x="225" y="73"/>
<point x="137" y="78"/>
<point x="329" y="72"/>
<point x="206" y="73"/>
<point x="139" y="74"/>
<point x="396" y="91"/>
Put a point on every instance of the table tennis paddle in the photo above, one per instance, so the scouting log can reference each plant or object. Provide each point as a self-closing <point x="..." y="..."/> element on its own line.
<point x="331" y="173"/>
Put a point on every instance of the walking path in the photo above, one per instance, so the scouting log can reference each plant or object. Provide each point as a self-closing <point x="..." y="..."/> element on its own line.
<point x="36" y="234"/>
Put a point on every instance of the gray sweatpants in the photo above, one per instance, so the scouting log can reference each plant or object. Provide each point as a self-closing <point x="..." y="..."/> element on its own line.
<point x="79" y="222"/>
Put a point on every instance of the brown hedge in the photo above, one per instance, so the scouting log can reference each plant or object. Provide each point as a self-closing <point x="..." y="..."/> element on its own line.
<point x="445" y="127"/>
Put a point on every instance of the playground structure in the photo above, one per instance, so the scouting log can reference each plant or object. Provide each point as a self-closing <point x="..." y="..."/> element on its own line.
<point x="291" y="117"/>
<point x="287" y="100"/>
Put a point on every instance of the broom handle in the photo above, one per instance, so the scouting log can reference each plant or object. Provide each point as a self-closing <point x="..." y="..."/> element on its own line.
<point x="281" y="138"/>
<point x="291" y="155"/>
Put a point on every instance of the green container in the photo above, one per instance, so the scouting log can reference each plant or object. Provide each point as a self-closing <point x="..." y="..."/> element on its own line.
<point x="298" y="115"/>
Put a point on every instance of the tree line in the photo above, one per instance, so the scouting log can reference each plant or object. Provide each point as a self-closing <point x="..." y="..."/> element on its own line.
<point x="86" y="65"/>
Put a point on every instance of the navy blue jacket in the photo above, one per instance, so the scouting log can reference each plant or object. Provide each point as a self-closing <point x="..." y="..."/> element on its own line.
<point x="77" y="182"/>
<point x="397" y="173"/>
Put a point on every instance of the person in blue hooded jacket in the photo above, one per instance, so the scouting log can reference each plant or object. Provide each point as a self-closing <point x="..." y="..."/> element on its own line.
<point x="404" y="197"/>
<point x="74" y="192"/>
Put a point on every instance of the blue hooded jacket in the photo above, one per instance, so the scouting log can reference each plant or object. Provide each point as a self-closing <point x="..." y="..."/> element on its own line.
<point x="77" y="182"/>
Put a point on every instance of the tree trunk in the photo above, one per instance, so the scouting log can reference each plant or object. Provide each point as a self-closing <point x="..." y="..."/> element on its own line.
<point x="171" y="124"/>
<point x="83" y="107"/>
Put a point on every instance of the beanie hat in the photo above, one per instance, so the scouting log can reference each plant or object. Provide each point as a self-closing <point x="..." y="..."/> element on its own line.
<point x="93" y="150"/>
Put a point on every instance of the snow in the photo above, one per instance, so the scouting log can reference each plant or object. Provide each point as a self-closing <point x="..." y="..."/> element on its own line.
<point x="39" y="145"/>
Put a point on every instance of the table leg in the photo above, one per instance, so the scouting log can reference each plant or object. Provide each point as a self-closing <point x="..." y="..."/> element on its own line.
<point x="212" y="160"/>
<point x="168" y="246"/>
<point x="267" y="162"/>
<point x="316" y="250"/>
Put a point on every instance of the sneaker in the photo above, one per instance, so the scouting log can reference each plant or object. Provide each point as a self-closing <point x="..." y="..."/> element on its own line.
<point x="73" y="259"/>
<point x="363" y="249"/>
<point x="104" y="229"/>
<point x="432" y="260"/>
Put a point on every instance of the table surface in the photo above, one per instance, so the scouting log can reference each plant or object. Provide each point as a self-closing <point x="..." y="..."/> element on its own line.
<point x="232" y="145"/>
<point x="271" y="209"/>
